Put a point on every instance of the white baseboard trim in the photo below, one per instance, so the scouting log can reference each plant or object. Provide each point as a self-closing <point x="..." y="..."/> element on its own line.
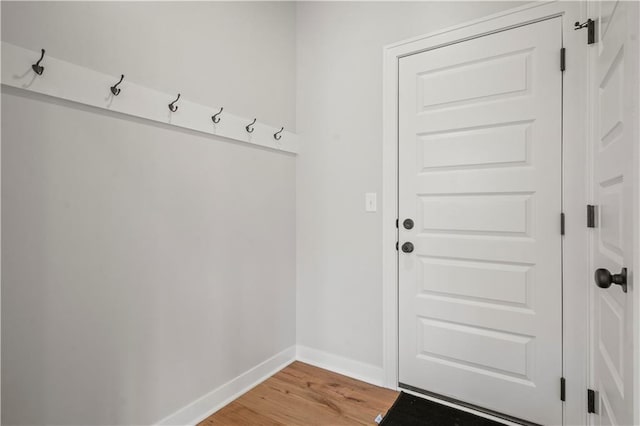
<point x="203" y="407"/>
<point x="206" y="405"/>
<point x="346" y="366"/>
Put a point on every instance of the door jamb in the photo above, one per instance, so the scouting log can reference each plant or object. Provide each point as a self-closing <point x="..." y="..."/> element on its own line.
<point x="575" y="241"/>
<point x="633" y="18"/>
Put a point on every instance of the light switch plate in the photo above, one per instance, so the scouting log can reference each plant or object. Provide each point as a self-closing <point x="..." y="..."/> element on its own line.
<point x="371" y="202"/>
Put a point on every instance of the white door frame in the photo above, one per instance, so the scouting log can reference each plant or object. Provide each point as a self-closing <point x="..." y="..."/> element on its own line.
<point x="636" y="243"/>
<point x="576" y="276"/>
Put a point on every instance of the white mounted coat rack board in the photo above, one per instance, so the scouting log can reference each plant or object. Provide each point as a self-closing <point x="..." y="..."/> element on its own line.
<point x="64" y="80"/>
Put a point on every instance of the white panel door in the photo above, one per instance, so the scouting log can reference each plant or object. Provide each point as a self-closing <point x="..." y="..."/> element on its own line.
<point x="480" y="153"/>
<point x="614" y="191"/>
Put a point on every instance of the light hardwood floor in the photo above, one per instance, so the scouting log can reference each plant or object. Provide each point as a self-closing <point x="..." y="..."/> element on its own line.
<point x="305" y="395"/>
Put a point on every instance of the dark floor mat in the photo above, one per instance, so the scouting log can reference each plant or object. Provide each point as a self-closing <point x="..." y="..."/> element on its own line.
<point x="409" y="410"/>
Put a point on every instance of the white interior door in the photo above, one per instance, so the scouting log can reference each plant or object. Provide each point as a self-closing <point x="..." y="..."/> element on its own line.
<point x="480" y="165"/>
<point x="613" y="84"/>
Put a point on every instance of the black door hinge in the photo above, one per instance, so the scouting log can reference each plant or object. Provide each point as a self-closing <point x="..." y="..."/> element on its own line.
<point x="563" y="389"/>
<point x="590" y="25"/>
<point x="591" y="401"/>
<point x="396" y="223"/>
<point x="591" y="216"/>
<point x="561" y="223"/>
<point x="396" y="246"/>
<point x="563" y="59"/>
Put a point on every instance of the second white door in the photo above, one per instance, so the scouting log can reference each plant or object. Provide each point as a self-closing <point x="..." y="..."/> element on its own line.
<point x="480" y="168"/>
<point x="614" y="185"/>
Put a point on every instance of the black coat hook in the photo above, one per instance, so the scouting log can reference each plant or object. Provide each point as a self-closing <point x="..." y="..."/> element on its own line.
<point x="249" y="127"/>
<point x="577" y="25"/>
<point x="37" y="68"/>
<point x="215" y="117"/>
<point x="172" y="107"/>
<point x="277" y="136"/>
<point x="114" y="88"/>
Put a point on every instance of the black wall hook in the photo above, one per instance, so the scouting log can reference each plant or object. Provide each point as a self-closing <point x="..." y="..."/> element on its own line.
<point x="578" y="25"/>
<point x="249" y="127"/>
<point x="215" y="117"/>
<point x="114" y="88"/>
<point x="277" y="136"/>
<point x="37" y="68"/>
<point x="172" y="107"/>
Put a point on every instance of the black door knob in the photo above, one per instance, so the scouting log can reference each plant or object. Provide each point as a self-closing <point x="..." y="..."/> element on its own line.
<point x="407" y="247"/>
<point x="604" y="278"/>
<point x="408" y="224"/>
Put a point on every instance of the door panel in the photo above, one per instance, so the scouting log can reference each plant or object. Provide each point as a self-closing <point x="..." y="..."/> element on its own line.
<point x="613" y="189"/>
<point x="480" y="152"/>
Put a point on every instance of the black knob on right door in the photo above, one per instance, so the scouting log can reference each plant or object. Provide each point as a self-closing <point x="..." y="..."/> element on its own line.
<point x="604" y="278"/>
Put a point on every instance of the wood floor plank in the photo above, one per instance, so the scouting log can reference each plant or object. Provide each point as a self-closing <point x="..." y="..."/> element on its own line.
<point x="236" y="414"/>
<point x="295" y="404"/>
<point x="350" y="398"/>
<point x="305" y="395"/>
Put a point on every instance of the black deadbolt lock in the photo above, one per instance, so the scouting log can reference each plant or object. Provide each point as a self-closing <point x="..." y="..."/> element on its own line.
<point x="407" y="247"/>
<point x="408" y="224"/>
<point x="604" y="278"/>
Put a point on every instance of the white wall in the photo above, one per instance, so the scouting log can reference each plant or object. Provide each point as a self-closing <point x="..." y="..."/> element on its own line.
<point x="144" y="266"/>
<point x="339" y="118"/>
